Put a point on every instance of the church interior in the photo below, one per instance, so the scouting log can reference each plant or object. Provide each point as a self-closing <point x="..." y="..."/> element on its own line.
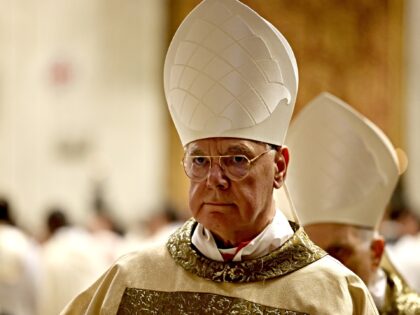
<point x="85" y="130"/>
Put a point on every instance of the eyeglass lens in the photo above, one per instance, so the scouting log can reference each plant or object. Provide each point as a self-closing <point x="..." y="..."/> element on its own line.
<point x="236" y="166"/>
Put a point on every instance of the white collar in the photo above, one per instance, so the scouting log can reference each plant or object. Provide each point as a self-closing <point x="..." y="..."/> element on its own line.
<point x="271" y="238"/>
<point x="377" y="288"/>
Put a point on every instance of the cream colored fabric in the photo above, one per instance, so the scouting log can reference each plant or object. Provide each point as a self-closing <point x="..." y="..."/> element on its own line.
<point x="20" y="267"/>
<point x="323" y="287"/>
<point x="230" y="73"/>
<point x="343" y="168"/>
<point x="272" y="237"/>
<point x="72" y="260"/>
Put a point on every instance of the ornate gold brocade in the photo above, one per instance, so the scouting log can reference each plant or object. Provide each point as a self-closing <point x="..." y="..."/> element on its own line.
<point x="139" y="301"/>
<point x="400" y="298"/>
<point x="297" y="252"/>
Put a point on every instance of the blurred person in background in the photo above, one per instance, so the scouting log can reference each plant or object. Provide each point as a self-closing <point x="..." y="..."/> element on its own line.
<point x="399" y="221"/>
<point x="135" y="236"/>
<point x="156" y="227"/>
<point x="71" y="259"/>
<point x="406" y="248"/>
<point x="20" y="270"/>
<point x="107" y="237"/>
<point x="107" y="233"/>
<point x="231" y="84"/>
<point x="163" y="222"/>
<point x="341" y="180"/>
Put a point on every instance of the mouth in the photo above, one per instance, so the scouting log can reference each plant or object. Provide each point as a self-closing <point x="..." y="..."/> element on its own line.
<point x="218" y="204"/>
<point x="217" y="208"/>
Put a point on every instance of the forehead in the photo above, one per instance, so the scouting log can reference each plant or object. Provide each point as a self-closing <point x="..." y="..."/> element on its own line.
<point x="223" y="145"/>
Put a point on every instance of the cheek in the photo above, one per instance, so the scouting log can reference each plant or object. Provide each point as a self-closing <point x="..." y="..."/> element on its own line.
<point x="245" y="190"/>
<point x="357" y="262"/>
<point x="263" y="177"/>
<point x="195" y="197"/>
<point x="264" y="188"/>
<point x="317" y="238"/>
<point x="252" y="196"/>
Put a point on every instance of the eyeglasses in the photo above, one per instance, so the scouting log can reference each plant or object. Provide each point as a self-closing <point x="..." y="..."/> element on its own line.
<point x="236" y="167"/>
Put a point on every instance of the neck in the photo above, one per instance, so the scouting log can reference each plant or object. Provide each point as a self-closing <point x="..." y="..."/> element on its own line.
<point x="233" y="242"/>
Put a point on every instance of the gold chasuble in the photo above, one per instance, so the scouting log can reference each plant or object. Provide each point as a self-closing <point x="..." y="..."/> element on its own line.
<point x="400" y="299"/>
<point x="297" y="278"/>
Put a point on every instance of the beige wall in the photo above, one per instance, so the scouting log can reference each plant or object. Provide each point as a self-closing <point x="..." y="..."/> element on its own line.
<point x="81" y="102"/>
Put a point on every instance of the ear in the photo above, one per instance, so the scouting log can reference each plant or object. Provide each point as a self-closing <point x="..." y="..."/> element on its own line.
<point x="377" y="248"/>
<point x="281" y="162"/>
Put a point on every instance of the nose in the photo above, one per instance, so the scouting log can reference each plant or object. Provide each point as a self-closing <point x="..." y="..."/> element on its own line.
<point x="216" y="178"/>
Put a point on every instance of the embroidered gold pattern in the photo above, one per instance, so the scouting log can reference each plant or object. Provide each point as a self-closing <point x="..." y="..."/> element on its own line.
<point x="294" y="254"/>
<point x="400" y="298"/>
<point x="139" y="301"/>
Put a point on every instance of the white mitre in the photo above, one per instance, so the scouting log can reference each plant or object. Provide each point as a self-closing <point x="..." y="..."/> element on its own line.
<point x="230" y="73"/>
<point x="343" y="168"/>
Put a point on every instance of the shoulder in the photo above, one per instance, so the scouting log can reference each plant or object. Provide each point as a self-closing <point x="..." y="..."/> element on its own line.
<point x="339" y="287"/>
<point x="134" y="269"/>
<point x="330" y="270"/>
<point x="324" y="266"/>
<point x="332" y="276"/>
<point x="154" y="253"/>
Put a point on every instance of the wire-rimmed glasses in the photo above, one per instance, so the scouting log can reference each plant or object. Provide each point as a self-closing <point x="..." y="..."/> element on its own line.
<point x="236" y="167"/>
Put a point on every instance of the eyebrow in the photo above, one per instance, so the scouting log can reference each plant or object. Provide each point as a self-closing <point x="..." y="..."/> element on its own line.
<point x="197" y="151"/>
<point x="240" y="149"/>
<point x="232" y="150"/>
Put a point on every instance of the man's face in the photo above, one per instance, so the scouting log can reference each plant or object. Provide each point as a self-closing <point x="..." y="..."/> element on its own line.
<point x="234" y="211"/>
<point x="345" y="243"/>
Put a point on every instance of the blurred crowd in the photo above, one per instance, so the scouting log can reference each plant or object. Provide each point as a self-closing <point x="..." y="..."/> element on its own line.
<point x="401" y="228"/>
<point x="40" y="274"/>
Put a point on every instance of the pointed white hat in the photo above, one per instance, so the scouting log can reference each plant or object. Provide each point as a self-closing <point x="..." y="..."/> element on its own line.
<point x="343" y="169"/>
<point x="230" y="73"/>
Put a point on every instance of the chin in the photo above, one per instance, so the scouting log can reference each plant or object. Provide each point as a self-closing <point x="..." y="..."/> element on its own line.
<point x="213" y="221"/>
